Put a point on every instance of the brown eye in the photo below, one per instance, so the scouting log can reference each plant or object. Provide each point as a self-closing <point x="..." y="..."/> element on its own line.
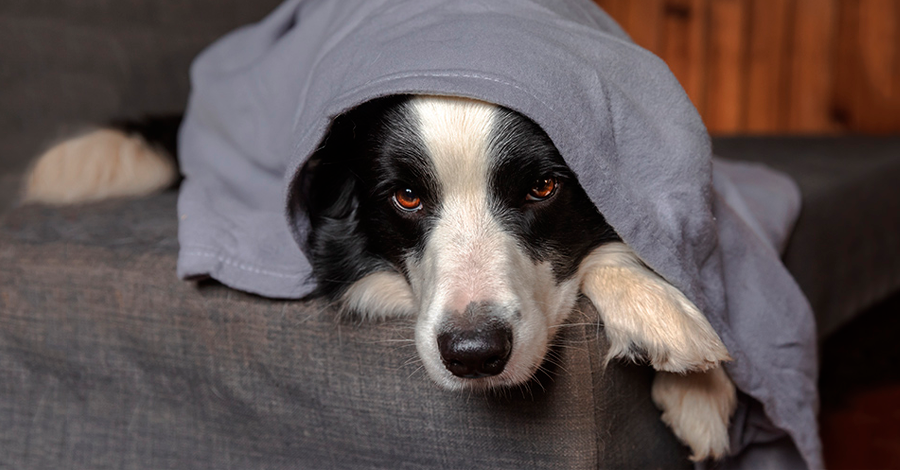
<point x="542" y="189"/>
<point x="407" y="200"/>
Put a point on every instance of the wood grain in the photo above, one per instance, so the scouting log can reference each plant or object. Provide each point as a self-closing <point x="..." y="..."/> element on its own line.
<point x="777" y="66"/>
<point x="767" y="64"/>
<point x="810" y="106"/>
<point x="726" y="88"/>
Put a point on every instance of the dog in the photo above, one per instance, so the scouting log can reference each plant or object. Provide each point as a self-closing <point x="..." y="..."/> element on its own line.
<point x="463" y="215"/>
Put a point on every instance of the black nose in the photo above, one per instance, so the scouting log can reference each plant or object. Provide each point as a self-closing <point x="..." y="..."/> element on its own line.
<point x="476" y="352"/>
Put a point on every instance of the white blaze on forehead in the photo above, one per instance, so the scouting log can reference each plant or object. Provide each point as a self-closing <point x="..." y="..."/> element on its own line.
<point x="467" y="250"/>
<point x="456" y="132"/>
<point x="468" y="255"/>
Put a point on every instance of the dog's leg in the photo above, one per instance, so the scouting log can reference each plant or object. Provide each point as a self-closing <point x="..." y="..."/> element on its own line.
<point x="697" y="406"/>
<point x="645" y="315"/>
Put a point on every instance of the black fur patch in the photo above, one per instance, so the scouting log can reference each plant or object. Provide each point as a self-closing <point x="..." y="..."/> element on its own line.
<point x="562" y="229"/>
<point x="372" y="151"/>
<point x="349" y="183"/>
<point x="158" y="130"/>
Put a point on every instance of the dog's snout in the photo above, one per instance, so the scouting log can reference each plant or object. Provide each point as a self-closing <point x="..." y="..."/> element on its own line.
<point x="476" y="352"/>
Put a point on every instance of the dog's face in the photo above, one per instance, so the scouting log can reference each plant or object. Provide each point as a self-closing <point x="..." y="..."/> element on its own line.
<point x="460" y="213"/>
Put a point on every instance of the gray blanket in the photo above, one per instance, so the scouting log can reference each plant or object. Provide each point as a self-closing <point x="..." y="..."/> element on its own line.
<point x="264" y="95"/>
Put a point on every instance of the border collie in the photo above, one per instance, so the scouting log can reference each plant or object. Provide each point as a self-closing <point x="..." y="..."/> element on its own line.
<point x="465" y="216"/>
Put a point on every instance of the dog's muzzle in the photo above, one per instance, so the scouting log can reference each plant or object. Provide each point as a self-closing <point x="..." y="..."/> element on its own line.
<point x="475" y="344"/>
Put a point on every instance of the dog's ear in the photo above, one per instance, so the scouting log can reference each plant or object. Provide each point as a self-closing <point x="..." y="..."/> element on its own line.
<point x="325" y="188"/>
<point x="330" y="189"/>
<point x="326" y="194"/>
<point x="644" y="315"/>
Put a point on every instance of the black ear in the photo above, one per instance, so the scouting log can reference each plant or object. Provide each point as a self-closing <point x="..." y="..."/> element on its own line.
<point x="327" y="187"/>
<point x="326" y="192"/>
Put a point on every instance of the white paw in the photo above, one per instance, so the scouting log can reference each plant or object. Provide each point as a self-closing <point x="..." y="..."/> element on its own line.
<point x="645" y="316"/>
<point x="697" y="406"/>
<point x="102" y="164"/>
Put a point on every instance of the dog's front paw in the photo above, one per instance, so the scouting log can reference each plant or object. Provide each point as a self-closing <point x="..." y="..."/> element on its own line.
<point x="652" y="319"/>
<point x="643" y="315"/>
<point x="697" y="406"/>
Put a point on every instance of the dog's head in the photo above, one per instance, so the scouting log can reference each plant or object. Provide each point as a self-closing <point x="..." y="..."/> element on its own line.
<point x="460" y="213"/>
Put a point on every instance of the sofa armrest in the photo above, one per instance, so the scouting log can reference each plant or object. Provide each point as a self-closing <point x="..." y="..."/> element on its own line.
<point x="109" y="361"/>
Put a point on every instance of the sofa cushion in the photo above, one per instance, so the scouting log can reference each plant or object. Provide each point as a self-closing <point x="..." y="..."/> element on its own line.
<point x="844" y="251"/>
<point x="69" y="64"/>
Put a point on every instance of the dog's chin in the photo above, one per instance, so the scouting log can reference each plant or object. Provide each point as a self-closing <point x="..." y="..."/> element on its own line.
<point x="506" y="379"/>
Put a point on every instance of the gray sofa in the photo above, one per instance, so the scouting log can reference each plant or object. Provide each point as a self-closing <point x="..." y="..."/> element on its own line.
<point x="107" y="360"/>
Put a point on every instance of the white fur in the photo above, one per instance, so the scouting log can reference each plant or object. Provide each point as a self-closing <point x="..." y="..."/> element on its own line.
<point x="469" y="257"/>
<point x="100" y="165"/>
<point x="697" y="406"/>
<point x="645" y="315"/>
<point x="382" y="294"/>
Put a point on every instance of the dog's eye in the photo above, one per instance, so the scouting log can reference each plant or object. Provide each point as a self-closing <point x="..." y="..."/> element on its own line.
<point x="407" y="200"/>
<point x="542" y="189"/>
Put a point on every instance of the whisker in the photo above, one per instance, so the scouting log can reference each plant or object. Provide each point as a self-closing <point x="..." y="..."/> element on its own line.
<point x="569" y="325"/>
<point x="545" y="372"/>
<point x="580" y="346"/>
<point x="415" y="371"/>
<point x="404" y="341"/>
<point x="553" y="362"/>
<point x="412" y="360"/>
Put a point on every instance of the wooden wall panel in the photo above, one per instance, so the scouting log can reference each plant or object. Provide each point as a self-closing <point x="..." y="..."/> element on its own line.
<point x="868" y="80"/>
<point x="644" y="23"/>
<point x="724" y="110"/>
<point x="777" y="66"/>
<point x="877" y="40"/>
<point x="810" y="101"/>
<point x="683" y="44"/>
<point x="767" y="65"/>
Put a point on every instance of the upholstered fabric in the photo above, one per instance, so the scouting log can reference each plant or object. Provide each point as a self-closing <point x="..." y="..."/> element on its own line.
<point x="65" y="65"/>
<point x="845" y="248"/>
<point x="108" y="360"/>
